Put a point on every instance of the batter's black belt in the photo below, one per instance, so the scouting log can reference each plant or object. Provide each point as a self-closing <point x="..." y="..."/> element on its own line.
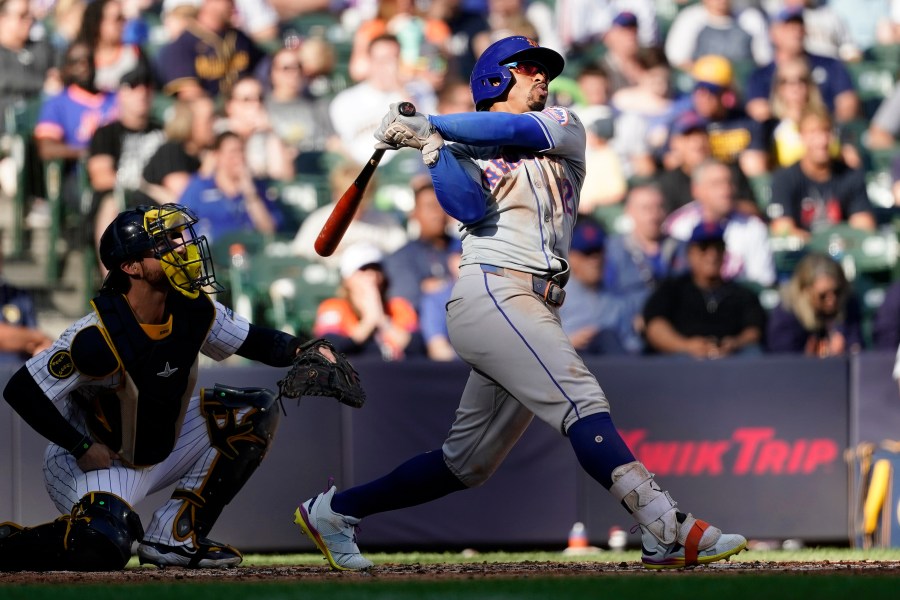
<point x="547" y="289"/>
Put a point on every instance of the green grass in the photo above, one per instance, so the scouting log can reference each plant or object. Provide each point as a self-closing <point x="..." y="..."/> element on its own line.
<point x="671" y="585"/>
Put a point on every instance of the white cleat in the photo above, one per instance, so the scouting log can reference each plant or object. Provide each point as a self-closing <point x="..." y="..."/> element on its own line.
<point x="698" y="543"/>
<point x="333" y="534"/>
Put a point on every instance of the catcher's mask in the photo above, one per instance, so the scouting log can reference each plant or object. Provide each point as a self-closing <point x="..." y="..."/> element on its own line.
<point x="166" y="232"/>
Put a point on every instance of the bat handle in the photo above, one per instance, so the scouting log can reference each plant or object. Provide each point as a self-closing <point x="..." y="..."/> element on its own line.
<point x="407" y="109"/>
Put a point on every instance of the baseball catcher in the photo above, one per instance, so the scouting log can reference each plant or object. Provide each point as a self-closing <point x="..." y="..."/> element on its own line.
<point x="114" y="395"/>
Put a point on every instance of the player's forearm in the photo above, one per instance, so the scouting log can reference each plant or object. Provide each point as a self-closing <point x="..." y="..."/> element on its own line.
<point x="493" y="129"/>
<point x="25" y="397"/>
<point x="459" y="195"/>
<point x="269" y="346"/>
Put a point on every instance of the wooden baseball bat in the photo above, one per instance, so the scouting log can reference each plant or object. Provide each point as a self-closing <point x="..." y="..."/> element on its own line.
<point x="339" y="220"/>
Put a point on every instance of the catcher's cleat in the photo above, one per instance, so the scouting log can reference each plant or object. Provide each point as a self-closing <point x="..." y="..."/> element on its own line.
<point x="697" y="543"/>
<point x="210" y="555"/>
<point x="333" y="534"/>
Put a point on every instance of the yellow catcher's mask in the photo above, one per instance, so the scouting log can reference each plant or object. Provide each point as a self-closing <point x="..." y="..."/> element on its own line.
<point x="184" y="256"/>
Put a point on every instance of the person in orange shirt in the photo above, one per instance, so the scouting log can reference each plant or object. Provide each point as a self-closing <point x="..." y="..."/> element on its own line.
<point x="362" y="319"/>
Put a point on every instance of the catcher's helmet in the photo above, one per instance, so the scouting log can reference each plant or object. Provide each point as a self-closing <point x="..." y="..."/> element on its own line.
<point x="167" y="233"/>
<point x="490" y="79"/>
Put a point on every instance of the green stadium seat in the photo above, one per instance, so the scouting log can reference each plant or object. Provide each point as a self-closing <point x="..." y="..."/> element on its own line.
<point x="860" y="252"/>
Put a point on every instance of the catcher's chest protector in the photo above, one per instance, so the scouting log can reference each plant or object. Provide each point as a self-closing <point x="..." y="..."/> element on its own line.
<point x="142" y="421"/>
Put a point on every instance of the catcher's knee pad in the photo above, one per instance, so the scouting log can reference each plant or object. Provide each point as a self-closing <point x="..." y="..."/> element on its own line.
<point x="96" y="536"/>
<point x="242" y="423"/>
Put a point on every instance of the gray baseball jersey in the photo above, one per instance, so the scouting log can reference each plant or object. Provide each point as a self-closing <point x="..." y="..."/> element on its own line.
<point x="523" y="363"/>
<point x="533" y="198"/>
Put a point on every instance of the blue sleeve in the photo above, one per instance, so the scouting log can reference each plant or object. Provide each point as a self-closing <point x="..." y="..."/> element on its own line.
<point x="494" y="129"/>
<point x="460" y="196"/>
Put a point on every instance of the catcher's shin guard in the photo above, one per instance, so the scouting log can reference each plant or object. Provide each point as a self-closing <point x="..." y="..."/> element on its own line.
<point x="96" y="536"/>
<point x="242" y="424"/>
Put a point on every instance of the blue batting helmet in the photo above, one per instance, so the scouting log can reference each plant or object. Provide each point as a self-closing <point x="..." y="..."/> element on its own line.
<point x="490" y="79"/>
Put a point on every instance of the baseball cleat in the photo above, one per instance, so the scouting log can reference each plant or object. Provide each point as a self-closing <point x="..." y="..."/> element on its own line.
<point x="333" y="534"/>
<point x="697" y="543"/>
<point x="210" y="555"/>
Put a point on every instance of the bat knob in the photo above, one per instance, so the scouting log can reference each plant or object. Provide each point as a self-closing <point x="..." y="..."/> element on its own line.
<point x="407" y="109"/>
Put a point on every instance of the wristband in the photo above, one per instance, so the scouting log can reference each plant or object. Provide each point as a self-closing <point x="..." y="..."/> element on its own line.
<point x="81" y="447"/>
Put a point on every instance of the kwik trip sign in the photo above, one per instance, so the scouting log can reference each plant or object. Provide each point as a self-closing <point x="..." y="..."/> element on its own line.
<point x="747" y="451"/>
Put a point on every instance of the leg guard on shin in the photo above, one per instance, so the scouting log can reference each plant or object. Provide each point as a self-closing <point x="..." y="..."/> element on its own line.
<point x="242" y="424"/>
<point x="670" y="538"/>
<point x="96" y="536"/>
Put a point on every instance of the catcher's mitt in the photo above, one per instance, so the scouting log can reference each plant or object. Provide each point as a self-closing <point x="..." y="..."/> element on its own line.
<point x="320" y="370"/>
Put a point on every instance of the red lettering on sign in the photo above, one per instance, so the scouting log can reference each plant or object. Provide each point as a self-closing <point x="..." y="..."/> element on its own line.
<point x="757" y="451"/>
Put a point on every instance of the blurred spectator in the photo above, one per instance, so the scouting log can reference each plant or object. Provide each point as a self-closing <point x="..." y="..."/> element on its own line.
<point x="886" y="325"/>
<point x="794" y="93"/>
<point x="638" y="260"/>
<point x="268" y="155"/>
<point x="595" y="320"/>
<point x="176" y="15"/>
<point x="257" y="19"/>
<point x="357" y="111"/>
<point x="24" y="64"/>
<point x="101" y="28"/>
<point x="818" y="191"/>
<point x="229" y="199"/>
<point x="748" y="257"/>
<point x="362" y="319"/>
<point x="583" y="23"/>
<point x="831" y="76"/>
<point x="826" y="32"/>
<point x="689" y="147"/>
<point x="376" y="227"/>
<point x="20" y="337"/>
<point x="700" y="314"/>
<point x="606" y="179"/>
<point x="643" y="112"/>
<point x="884" y="129"/>
<point x="67" y="16"/>
<point x="505" y="18"/>
<point x="713" y="27"/>
<point x="865" y="19"/>
<point x="300" y="120"/>
<point x="189" y="132"/>
<point x="424" y="42"/>
<point x="119" y="151"/>
<point x="733" y="136"/>
<point x="455" y="97"/>
<point x="67" y="123"/>
<point x="209" y="55"/>
<point x="420" y="266"/>
<point x="620" y="60"/>
<point x="433" y="309"/>
<point x="466" y="21"/>
<point x="817" y="315"/>
<point x="317" y="63"/>
<point x="24" y="68"/>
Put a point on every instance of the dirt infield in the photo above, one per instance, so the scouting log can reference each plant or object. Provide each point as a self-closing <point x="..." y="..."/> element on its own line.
<point x="446" y="571"/>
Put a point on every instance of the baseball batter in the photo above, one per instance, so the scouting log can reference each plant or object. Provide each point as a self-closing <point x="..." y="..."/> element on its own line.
<point x="512" y="178"/>
<point x="114" y="396"/>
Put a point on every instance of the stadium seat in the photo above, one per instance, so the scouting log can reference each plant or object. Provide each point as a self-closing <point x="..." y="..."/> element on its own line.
<point x="860" y="252"/>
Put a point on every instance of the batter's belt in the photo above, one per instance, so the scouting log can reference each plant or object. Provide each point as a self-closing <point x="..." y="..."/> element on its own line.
<point x="547" y="289"/>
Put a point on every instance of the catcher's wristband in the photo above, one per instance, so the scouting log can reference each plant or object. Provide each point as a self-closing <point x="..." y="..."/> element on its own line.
<point x="81" y="447"/>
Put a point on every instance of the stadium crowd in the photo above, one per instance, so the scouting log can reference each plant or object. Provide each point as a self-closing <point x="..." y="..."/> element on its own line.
<point x="741" y="192"/>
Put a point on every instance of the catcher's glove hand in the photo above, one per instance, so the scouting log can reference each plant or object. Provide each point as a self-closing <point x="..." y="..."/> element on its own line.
<point x="320" y="370"/>
<point x="397" y="131"/>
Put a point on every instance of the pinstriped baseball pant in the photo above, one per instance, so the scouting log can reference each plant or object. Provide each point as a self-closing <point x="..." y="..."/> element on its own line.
<point x="188" y="464"/>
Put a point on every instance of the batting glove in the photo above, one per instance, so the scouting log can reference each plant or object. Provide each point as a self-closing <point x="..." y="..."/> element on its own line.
<point x="416" y="132"/>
